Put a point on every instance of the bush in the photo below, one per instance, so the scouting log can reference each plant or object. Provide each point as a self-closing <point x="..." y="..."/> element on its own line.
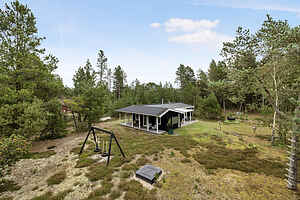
<point x="265" y="109"/>
<point x="12" y="149"/>
<point x="56" y="126"/>
<point x="8" y="185"/>
<point x="21" y="117"/>
<point x="208" y="108"/>
<point x="82" y="127"/>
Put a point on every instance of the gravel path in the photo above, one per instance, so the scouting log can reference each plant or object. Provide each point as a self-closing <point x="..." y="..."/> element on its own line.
<point x="32" y="174"/>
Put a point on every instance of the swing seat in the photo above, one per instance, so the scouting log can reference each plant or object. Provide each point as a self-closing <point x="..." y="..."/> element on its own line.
<point x="104" y="154"/>
<point x="97" y="150"/>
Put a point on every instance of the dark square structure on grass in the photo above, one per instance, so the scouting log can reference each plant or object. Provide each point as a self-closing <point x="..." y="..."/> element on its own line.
<point x="148" y="173"/>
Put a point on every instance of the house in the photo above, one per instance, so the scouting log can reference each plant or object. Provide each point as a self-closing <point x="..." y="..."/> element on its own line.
<point x="156" y="118"/>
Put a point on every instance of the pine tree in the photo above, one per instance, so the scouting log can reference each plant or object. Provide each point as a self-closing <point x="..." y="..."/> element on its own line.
<point x="102" y="66"/>
<point x="119" y="81"/>
<point x="84" y="78"/>
<point x="27" y="81"/>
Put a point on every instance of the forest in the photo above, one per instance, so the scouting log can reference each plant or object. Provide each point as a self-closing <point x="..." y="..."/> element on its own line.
<point x="259" y="73"/>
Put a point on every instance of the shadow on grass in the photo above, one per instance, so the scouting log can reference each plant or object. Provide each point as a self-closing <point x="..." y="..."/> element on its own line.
<point x="57" y="178"/>
<point x="39" y="155"/>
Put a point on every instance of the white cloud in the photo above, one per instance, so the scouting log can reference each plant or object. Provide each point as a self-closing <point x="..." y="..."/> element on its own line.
<point x="189" y="25"/>
<point x="267" y="5"/>
<point x="155" y="25"/>
<point x="208" y="37"/>
<point x="189" y="31"/>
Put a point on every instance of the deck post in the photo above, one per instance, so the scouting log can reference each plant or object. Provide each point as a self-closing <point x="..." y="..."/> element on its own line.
<point x="132" y="121"/>
<point x="156" y="124"/>
<point x="139" y="121"/>
<point x="178" y="120"/>
<point x="191" y="116"/>
<point x="125" y="117"/>
<point x="184" y="118"/>
<point x="147" y="122"/>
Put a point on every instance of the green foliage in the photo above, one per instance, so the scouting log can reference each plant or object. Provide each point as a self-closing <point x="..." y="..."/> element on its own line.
<point x="217" y="72"/>
<point x="130" y="167"/>
<point x="202" y="84"/>
<point x="57" y="178"/>
<point x="46" y="196"/>
<point x="84" y="78"/>
<point x="19" y="116"/>
<point x="185" y="78"/>
<point x="56" y="126"/>
<point x="11" y="149"/>
<point x="296" y="121"/>
<point x="118" y="81"/>
<point x="39" y="155"/>
<point x="99" y="171"/>
<point x="102" y="66"/>
<point x="88" y="104"/>
<point x="208" y="108"/>
<point x="8" y="185"/>
<point x="135" y="190"/>
<point x="103" y="190"/>
<point x="185" y="75"/>
<point x="6" y="198"/>
<point x="49" y="195"/>
<point x="27" y="82"/>
<point x="115" y="194"/>
<point x="142" y="161"/>
<point x="125" y="174"/>
<point x="84" y="162"/>
<point x="75" y="150"/>
<point x="186" y="160"/>
<point x="265" y="109"/>
<point x="243" y="160"/>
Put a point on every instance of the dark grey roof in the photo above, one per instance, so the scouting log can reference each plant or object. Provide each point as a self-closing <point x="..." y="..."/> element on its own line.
<point x="172" y="105"/>
<point x="142" y="109"/>
<point x="153" y="109"/>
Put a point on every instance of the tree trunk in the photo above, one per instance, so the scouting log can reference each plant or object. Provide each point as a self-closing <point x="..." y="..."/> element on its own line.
<point x="224" y="108"/>
<point x="275" y="107"/>
<point x="79" y="117"/>
<point x="74" y="119"/>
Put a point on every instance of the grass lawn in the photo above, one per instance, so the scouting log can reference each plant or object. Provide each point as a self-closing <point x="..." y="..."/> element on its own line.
<point x="202" y="162"/>
<point x="198" y="162"/>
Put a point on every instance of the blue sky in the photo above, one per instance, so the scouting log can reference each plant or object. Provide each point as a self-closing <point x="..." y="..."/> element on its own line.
<point x="149" y="39"/>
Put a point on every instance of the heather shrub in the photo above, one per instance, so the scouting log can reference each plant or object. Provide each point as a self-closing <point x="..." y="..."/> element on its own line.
<point x="12" y="149"/>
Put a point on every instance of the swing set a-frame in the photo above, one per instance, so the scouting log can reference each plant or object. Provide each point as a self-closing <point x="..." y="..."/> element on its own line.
<point x="112" y="136"/>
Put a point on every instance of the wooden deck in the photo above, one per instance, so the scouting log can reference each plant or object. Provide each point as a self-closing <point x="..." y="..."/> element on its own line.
<point x="151" y="129"/>
<point x="188" y="123"/>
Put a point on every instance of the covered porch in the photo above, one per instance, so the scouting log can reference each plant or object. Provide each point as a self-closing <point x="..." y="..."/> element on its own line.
<point x="156" y="124"/>
<point x="142" y="122"/>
